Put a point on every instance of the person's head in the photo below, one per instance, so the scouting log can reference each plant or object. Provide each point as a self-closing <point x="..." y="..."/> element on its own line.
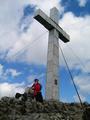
<point x="36" y="80"/>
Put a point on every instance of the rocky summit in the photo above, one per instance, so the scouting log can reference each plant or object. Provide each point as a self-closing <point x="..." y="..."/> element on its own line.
<point x="18" y="109"/>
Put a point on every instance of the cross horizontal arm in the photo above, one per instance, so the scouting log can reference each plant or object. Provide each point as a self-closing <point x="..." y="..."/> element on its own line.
<point x="49" y="24"/>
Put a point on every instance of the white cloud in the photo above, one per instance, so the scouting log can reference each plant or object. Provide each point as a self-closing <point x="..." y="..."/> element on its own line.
<point x="1" y="70"/>
<point x="83" y="84"/>
<point x="10" y="13"/>
<point x="82" y="3"/>
<point x="15" y="43"/>
<point x="36" y="52"/>
<point x="13" y="72"/>
<point x="5" y="73"/>
<point x="11" y="41"/>
<point x="76" y="99"/>
<point x="8" y="89"/>
<point x="45" y="5"/>
<point x="2" y="73"/>
<point x="79" y="31"/>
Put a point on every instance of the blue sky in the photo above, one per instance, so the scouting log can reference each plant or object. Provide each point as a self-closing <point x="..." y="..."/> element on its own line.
<point x="22" y="60"/>
<point x="73" y="6"/>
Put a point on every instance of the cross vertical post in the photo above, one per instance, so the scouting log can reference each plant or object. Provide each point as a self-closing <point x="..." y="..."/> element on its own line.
<point x="52" y="81"/>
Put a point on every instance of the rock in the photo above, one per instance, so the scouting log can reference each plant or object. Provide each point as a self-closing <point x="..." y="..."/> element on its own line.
<point x="86" y="114"/>
<point x="19" y="109"/>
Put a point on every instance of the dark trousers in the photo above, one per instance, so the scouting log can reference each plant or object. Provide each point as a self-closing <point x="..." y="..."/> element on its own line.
<point x="39" y="97"/>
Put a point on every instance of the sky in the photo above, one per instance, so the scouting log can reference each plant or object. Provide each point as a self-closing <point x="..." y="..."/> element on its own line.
<point x="24" y="41"/>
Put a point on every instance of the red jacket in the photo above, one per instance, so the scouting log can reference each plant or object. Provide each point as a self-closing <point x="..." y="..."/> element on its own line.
<point x="37" y="88"/>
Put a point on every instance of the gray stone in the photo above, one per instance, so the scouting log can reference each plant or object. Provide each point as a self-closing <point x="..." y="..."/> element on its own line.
<point x="48" y="110"/>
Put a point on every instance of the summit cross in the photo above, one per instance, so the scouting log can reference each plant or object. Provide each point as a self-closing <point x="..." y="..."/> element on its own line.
<point x="55" y="32"/>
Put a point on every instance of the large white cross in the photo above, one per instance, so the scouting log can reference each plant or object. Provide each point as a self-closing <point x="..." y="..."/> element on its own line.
<point x="55" y="32"/>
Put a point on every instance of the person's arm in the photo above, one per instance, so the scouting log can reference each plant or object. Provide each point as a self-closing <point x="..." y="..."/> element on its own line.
<point x="33" y="87"/>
